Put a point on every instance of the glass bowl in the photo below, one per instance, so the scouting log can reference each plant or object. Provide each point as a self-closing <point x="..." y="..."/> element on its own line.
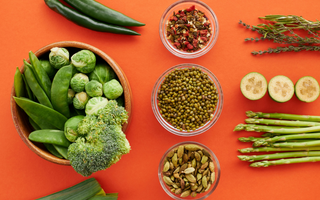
<point x="184" y="4"/>
<point x="199" y="196"/>
<point x="167" y="125"/>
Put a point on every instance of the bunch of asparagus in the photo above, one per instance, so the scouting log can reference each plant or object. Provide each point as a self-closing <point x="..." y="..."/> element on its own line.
<point x="296" y="137"/>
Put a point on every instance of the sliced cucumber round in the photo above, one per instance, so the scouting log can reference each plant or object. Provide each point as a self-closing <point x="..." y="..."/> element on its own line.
<point x="307" y="89"/>
<point x="254" y="86"/>
<point x="281" y="88"/>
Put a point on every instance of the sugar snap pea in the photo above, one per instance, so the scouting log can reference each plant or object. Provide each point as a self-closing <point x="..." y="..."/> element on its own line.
<point x="52" y="150"/>
<point x="19" y="86"/>
<point x="34" y="125"/>
<point x="29" y="92"/>
<point x="59" y="90"/>
<point x="50" y="115"/>
<point x="35" y="87"/>
<point x="41" y="122"/>
<point x="61" y="150"/>
<point x="56" y="137"/>
<point x="40" y="74"/>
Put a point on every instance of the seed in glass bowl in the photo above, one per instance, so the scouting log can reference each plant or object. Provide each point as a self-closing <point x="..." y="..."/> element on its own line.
<point x="187" y="98"/>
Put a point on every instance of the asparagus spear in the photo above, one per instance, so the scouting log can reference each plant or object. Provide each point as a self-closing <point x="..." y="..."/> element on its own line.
<point x="269" y="141"/>
<point x="297" y="144"/>
<point x="285" y="161"/>
<point x="249" y="139"/>
<point x="272" y="129"/>
<point x="258" y="128"/>
<point x="278" y="155"/>
<point x="283" y="116"/>
<point x="280" y="122"/>
<point x="274" y="149"/>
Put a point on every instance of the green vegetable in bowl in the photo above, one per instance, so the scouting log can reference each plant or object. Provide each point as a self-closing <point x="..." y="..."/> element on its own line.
<point x="71" y="126"/>
<point x="71" y="94"/>
<point x="103" y="142"/>
<point x="95" y="104"/>
<point x="51" y="71"/>
<point x="112" y="89"/>
<point x="80" y="100"/>
<point x="102" y="73"/>
<point x="120" y="101"/>
<point x="59" y="57"/>
<point x="79" y="81"/>
<point x="94" y="88"/>
<point x="84" y="61"/>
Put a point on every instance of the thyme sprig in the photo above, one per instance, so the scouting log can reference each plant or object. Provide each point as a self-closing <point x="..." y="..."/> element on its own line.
<point x="282" y="30"/>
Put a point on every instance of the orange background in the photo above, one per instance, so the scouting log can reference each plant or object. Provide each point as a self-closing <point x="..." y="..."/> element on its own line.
<point x="29" y="25"/>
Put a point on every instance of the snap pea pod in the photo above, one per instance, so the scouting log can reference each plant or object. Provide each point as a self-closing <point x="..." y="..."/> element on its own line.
<point x="49" y="136"/>
<point x="59" y="90"/>
<point x="40" y="74"/>
<point x="40" y="121"/>
<point x="52" y="150"/>
<point x="29" y="92"/>
<point x="85" y="21"/>
<point x="101" y="12"/>
<point x="47" y="114"/>
<point x="34" y="125"/>
<point x="35" y="87"/>
<point x="19" y="86"/>
<point x="61" y="150"/>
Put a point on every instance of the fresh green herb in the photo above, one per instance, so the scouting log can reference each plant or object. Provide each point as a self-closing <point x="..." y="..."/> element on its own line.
<point x="283" y="29"/>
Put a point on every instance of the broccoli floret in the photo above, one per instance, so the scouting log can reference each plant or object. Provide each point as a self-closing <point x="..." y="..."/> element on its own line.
<point x="101" y="142"/>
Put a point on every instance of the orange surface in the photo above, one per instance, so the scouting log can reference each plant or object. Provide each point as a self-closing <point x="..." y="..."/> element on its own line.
<point x="30" y="24"/>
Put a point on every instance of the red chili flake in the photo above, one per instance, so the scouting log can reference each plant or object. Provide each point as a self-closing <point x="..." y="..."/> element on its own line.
<point x="191" y="8"/>
<point x="190" y="46"/>
<point x="194" y="42"/>
<point x="184" y="18"/>
<point x="182" y="14"/>
<point x="186" y="34"/>
<point x="177" y="44"/>
<point x="203" y="32"/>
<point x="204" y="39"/>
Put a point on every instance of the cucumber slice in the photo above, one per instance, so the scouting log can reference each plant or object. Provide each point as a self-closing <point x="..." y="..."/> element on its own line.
<point x="307" y="89"/>
<point x="281" y="88"/>
<point x="254" y="86"/>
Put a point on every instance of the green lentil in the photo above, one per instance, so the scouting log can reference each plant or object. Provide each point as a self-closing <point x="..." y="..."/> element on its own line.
<point x="190" y="94"/>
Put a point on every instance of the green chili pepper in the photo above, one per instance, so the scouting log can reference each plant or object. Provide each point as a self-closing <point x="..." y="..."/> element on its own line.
<point x="43" y="112"/>
<point x="52" y="150"/>
<point x="61" y="150"/>
<point x="85" y="21"/>
<point x="100" y="12"/>
<point x="59" y="90"/>
<point x="19" y="86"/>
<point x="40" y="74"/>
<point x="36" y="88"/>
<point x="49" y="136"/>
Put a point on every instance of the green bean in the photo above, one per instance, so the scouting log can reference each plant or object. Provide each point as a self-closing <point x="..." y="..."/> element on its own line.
<point x="35" y="87"/>
<point x="34" y="125"/>
<point x="41" y="122"/>
<point x="43" y="112"/>
<point x="59" y="90"/>
<point x="40" y="74"/>
<point x="19" y="87"/>
<point x="52" y="150"/>
<point x="61" y="150"/>
<point x="56" y="137"/>
<point x="29" y="92"/>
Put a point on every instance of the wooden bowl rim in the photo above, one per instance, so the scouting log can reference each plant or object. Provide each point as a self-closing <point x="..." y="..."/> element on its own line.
<point x="74" y="44"/>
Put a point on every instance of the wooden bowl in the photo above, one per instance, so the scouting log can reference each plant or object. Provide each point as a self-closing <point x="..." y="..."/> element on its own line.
<point x="20" y="118"/>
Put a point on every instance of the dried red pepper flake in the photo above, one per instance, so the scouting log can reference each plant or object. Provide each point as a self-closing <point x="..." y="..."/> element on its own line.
<point x="189" y="30"/>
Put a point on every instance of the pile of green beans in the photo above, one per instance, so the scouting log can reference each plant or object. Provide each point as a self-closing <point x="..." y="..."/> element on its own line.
<point x="187" y="98"/>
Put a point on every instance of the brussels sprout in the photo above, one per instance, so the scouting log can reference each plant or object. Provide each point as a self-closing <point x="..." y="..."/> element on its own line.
<point x="95" y="104"/>
<point x="80" y="100"/>
<point x="51" y="71"/>
<point x="94" y="88"/>
<point x="71" y="94"/>
<point x="59" y="57"/>
<point x="78" y="82"/>
<point x="112" y="89"/>
<point x="84" y="61"/>
<point x="71" y="126"/>
<point x="102" y="73"/>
